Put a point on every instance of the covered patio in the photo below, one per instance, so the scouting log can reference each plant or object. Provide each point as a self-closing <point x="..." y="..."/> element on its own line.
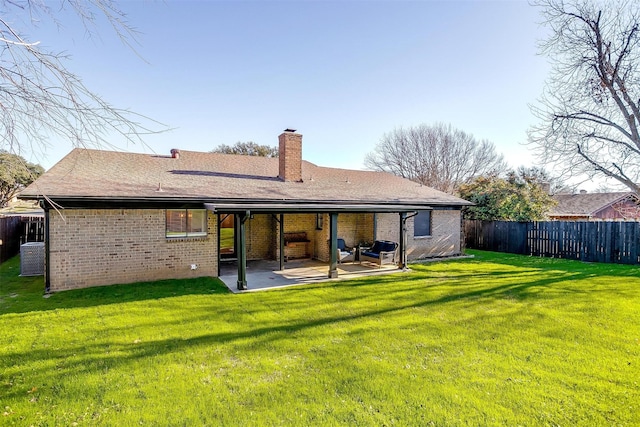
<point x="239" y="278"/>
<point x="264" y="274"/>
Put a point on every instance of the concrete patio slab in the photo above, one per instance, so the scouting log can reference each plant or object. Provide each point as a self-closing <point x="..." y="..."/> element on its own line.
<point x="263" y="275"/>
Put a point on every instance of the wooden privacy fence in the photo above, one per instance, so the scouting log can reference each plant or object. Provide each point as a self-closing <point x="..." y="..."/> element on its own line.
<point x="15" y="230"/>
<point x="593" y="241"/>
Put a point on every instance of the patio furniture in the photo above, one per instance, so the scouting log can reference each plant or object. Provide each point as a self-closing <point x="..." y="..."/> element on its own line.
<point x="296" y="245"/>
<point x="382" y="252"/>
<point x="344" y="253"/>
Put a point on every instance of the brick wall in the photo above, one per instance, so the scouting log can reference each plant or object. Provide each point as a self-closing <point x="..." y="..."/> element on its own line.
<point x="353" y="228"/>
<point x="444" y="240"/>
<point x="387" y="227"/>
<point x="290" y="156"/>
<point x="261" y="234"/>
<point x="92" y="247"/>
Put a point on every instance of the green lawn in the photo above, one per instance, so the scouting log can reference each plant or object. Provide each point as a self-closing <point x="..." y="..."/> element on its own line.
<point x="496" y="340"/>
<point x="226" y="238"/>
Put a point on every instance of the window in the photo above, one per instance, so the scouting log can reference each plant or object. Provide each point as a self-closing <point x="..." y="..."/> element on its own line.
<point x="422" y="224"/>
<point x="186" y="222"/>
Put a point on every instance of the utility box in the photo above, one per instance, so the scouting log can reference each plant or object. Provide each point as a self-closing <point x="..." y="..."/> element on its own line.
<point x="32" y="259"/>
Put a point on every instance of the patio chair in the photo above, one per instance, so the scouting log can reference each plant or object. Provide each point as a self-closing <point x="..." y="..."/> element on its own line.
<point x="344" y="253"/>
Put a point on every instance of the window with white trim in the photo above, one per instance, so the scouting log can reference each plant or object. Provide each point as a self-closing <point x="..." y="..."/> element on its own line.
<point x="422" y="224"/>
<point x="186" y="222"/>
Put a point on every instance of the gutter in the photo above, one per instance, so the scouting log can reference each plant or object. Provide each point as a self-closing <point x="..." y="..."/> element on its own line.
<point x="169" y="202"/>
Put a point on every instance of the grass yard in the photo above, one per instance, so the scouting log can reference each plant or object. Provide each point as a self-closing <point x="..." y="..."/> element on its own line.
<point x="496" y="340"/>
<point x="226" y="238"/>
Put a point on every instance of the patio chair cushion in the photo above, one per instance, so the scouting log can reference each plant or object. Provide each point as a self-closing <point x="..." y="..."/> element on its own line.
<point x="380" y="246"/>
<point x="342" y="245"/>
<point x="344" y="253"/>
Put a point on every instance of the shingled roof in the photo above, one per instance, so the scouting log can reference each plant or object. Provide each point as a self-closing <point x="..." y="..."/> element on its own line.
<point x="585" y="204"/>
<point x="213" y="177"/>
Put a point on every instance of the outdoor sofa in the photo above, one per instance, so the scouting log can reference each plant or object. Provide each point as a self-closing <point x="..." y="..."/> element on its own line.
<point x="382" y="252"/>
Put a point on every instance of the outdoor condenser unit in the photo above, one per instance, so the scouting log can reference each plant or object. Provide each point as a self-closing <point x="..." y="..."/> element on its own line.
<point x="32" y="259"/>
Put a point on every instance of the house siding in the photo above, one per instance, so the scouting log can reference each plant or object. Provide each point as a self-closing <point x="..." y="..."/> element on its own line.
<point x="94" y="247"/>
<point x="444" y="240"/>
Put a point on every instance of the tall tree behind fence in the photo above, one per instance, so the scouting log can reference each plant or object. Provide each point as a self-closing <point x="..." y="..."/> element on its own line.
<point x="593" y="241"/>
<point x="15" y="230"/>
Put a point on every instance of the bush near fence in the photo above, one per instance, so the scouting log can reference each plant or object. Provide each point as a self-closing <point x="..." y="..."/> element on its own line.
<point x="592" y="241"/>
<point x="16" y="230"/>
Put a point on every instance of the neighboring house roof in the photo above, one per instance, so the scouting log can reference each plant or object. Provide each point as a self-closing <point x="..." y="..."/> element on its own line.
<point x="213" y="177"/>
<point x="586" y="204"/>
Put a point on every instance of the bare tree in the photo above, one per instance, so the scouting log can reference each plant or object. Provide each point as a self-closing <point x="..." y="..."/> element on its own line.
<point x="590" y="109"/>
<point x="41" y="98"/>
<point x="438" y="156"/>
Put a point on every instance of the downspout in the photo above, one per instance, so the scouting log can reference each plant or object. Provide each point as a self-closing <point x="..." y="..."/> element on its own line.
<point x="463" y="235"/>
<point x="219" y="221"/>
<point x="47" y="247"/>
<point x="402" y="262"/>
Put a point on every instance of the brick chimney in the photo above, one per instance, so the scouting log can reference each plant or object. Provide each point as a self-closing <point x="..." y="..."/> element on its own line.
<point x="290" y="155"/>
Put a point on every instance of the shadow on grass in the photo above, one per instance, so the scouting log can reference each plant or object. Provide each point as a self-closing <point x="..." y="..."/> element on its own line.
<point x="425" y="287"/>
<point x="95" y="358"/>
<point x="26" y="294"/>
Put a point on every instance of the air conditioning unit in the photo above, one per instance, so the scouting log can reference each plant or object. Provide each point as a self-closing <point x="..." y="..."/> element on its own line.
<point x="32" y="259"/>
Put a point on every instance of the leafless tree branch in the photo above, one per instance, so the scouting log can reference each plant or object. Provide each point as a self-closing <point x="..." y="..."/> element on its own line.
<point x="589" y="112"/>
<point x="437" y="156"/>
<point x="41" y="99"/>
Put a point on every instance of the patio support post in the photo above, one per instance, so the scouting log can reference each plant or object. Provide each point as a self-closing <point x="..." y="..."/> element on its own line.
<point x="242" y="249"/>
<point x="402" y="246"/>
<point x="333" y="245"/>
<point x="281" y="242"/>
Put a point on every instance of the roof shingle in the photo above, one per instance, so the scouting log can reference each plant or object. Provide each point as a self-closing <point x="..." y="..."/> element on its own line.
<point x="214" y="176"/>
<point x="585" y="204"/>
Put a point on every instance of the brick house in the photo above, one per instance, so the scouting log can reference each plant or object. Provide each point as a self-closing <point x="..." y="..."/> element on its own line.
<point x="114" y="217"/>
<point x="583" y="206"/>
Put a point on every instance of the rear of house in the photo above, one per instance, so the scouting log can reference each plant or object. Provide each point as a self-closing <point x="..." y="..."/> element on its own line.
<point x="116" y="217"/>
